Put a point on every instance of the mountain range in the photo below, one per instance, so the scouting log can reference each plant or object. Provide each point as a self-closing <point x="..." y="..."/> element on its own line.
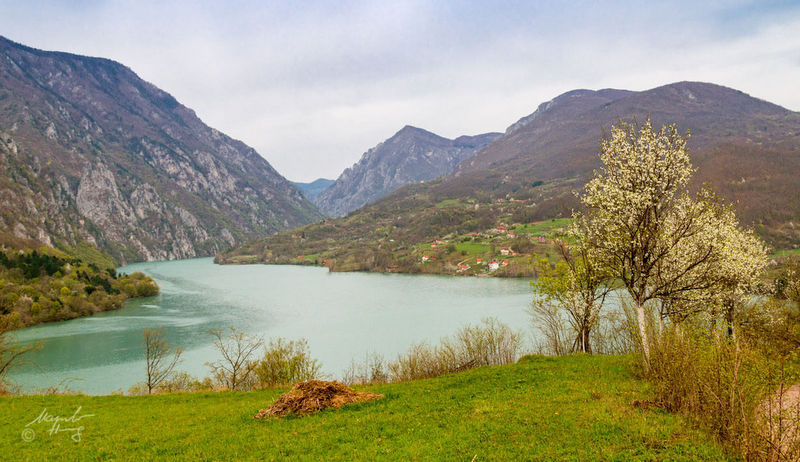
<point x="313" y="189"/>
<point x="409" y="156"/>
<point x="90" y="152"/>
<point x="746" y="149"/>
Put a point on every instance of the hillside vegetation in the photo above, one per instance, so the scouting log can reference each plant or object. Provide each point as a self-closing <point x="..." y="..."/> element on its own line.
<point x="42" y="284"/>
<point x="575" y="407"/>
<point x="399" y="231"/>
<point x="746" y="149"/>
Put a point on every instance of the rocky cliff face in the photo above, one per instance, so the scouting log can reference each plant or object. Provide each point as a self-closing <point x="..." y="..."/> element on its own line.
<point x="90" y="152"/>
<point x="410" y="156"/>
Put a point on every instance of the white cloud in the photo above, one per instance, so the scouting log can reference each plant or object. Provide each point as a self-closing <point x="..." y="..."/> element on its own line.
<point x="312" y="87"/>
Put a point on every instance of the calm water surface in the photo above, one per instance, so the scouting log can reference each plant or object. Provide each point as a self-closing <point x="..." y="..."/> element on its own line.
<point x="343" y="316"/>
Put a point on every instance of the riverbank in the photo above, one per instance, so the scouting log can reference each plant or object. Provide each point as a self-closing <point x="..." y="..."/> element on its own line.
<point x="344" y="316"/>
<point x="513" y="250"/>
<point x="542" y="408"/>
<point x="40" y="284"/>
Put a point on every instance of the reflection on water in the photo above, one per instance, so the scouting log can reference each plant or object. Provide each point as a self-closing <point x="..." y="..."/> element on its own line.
<point x="343" y="316"/>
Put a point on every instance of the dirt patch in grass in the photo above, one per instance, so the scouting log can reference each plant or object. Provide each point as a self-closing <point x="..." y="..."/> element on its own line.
<point x="313" y="396"/>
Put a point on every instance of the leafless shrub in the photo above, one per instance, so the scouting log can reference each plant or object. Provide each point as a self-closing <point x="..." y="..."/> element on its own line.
<point x="236" y="369"/>
<point x="739" y="391"/>
<point x="11" y="357"/>
<point x="613" y="333"/>
<point x="373" y="370"/>
<point x="487" y="344"/>
<point x="553" y="328"/>
<point x="160" y="358"/>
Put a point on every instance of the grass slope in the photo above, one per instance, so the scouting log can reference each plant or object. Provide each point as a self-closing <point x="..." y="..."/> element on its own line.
<point x="576" y="408"/>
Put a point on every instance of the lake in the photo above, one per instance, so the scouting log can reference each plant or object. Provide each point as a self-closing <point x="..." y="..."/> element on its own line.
<point x="344" y="316"/>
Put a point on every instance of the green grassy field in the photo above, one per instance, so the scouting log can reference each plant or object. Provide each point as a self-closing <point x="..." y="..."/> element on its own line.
<point x="543" y="228"/>
<point x="786" y="253"/>
<point x="573" y="408"/>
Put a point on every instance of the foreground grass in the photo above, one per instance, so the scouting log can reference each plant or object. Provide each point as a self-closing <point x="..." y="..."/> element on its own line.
<point x="576" y="408"/>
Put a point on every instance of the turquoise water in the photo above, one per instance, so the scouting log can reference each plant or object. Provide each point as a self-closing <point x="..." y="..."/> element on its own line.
<point x="343" y="316"/>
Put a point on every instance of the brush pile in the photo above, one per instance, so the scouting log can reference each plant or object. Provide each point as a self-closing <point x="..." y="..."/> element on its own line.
<point x="313" y="396"/>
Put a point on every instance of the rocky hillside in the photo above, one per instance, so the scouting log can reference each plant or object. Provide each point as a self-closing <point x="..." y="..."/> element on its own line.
<point x="410" y="156"/>
<point x="315" y="188"/>
<point x="91" y="152"/>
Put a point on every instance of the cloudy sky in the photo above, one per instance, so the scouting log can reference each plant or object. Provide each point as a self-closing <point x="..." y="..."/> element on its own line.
<point x="312" y="85"/>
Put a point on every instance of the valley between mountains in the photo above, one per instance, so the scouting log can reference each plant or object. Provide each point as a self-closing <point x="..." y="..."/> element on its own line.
<point x="104" y="168"/>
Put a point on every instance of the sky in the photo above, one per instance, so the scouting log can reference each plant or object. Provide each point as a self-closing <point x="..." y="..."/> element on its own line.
<point x="313" y="85"/>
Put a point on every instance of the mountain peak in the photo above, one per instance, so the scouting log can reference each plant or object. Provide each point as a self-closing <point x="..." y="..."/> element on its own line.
<point x="410" y="130"/>
<point x="411" y="155"/>
<point x="568" y="104"/>
<point x="115" y="161"/>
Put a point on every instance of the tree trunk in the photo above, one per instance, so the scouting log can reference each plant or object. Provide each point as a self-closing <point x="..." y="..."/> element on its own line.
<point x="582" y="343"/>
<point x="729" y="312"/>
<point x="643" y="335"/>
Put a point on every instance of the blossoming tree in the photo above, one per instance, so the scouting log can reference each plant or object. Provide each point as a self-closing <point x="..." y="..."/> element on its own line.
<point x="641" y="226"/>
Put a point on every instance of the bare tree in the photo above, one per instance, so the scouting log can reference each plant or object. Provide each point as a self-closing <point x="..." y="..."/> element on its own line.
<point x="160" y="357"/>
<point x="11" y="356"/>
<point x="236" y="368"/>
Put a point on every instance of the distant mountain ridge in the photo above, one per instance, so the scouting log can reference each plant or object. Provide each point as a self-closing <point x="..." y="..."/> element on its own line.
<point x="409" y="156"/>
<point x="747" y="150"/>
<point x="313" y="189"/>
<point x="91" y="152"/>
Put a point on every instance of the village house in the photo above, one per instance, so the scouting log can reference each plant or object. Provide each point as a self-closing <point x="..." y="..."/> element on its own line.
<point x="493" y="265"/>
<point x="505" y="251"/>
<point x="505" y="263"/>
<point x="479" y="260"/>
<point x="425" y="258"/>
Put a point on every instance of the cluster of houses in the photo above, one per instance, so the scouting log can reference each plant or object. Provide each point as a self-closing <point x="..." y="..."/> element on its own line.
<point x="493" y="264"/>
<point x="438" y="242"/>
<point x="503" y="230"/>
<point x="500" y="200"/>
